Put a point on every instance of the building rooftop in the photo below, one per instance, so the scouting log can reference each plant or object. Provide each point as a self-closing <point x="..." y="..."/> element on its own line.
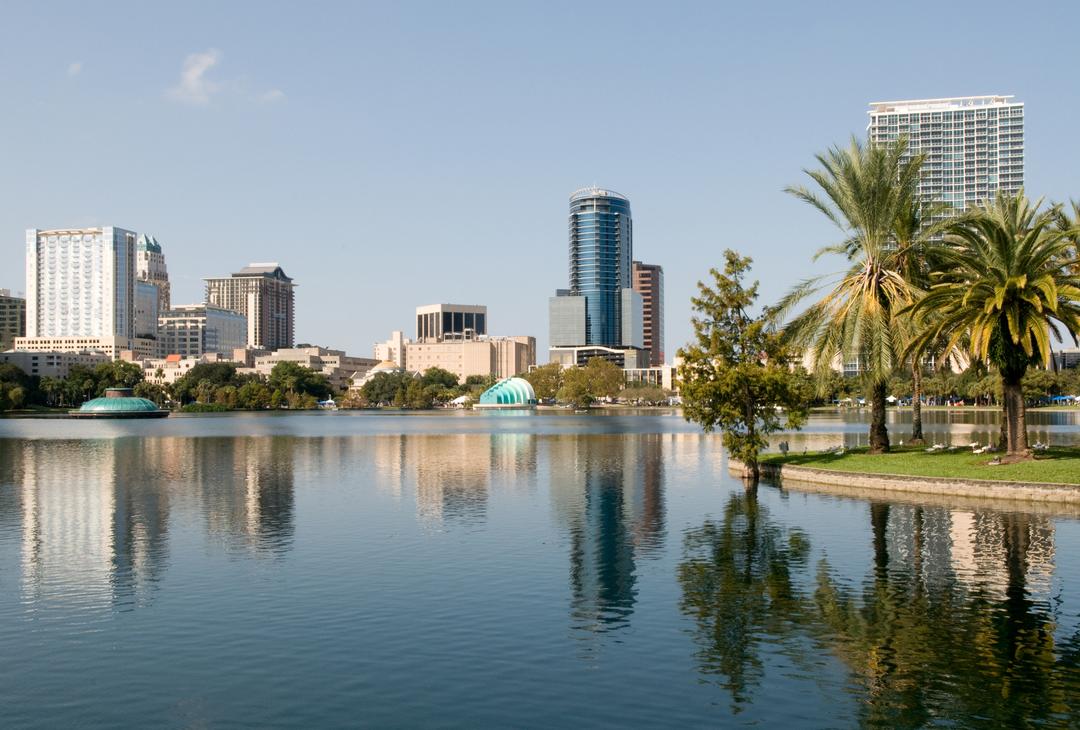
<point x="596" y="192"/>
<point x="271" y="270"/>
<point x="946" y="103"/>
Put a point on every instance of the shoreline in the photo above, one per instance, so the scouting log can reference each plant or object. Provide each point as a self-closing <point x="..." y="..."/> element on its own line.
<point x="966" y="487"/>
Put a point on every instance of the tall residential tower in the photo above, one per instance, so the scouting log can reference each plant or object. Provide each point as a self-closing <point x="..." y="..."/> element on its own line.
<point x="264" y="294"/>
<point x="80" y="283"/>
<point x="974" y="145"/>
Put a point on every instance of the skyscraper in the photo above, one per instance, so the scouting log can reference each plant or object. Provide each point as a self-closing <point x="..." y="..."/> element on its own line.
<point x="601" y="249"/>
<point x="601" y="308"/>
<point x="150" y="267"/>
<point x="80" y="283"/>
<point x="649" y="282"/>
<point x="264" y="294"/>
<point x="974" y="145"/>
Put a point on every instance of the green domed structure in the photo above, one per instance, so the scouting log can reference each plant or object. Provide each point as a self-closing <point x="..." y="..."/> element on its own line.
<point x="508" y="393"/>
<point x="119" y="403"/>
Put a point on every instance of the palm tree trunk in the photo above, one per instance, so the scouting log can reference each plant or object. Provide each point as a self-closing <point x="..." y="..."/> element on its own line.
<point x="1015" y="417"/>
<point x="879" y="434"/>
<point x="916" y="402"/>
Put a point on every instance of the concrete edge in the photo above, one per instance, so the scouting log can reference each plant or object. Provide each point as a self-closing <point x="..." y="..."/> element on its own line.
<point x="981" y="488"/>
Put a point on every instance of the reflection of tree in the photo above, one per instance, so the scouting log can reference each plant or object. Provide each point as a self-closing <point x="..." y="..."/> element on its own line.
<point x="923" y="656"/>
<point x="737" y="584"/>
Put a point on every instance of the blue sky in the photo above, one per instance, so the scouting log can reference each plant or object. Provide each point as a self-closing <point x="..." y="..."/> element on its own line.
<point x="396" y="154"/>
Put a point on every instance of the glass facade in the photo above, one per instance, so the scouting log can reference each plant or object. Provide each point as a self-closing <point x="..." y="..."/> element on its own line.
<point x="601" y="250"/>
<point x="974" y="145"/>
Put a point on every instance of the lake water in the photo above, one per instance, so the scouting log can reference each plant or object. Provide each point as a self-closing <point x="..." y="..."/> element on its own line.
<point x="513" y="570"/>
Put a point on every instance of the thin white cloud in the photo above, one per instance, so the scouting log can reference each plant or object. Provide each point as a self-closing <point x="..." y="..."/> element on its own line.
<point x="75" y="68"/>
<point x="273" y="96"/>
<point x="194" y="87"/>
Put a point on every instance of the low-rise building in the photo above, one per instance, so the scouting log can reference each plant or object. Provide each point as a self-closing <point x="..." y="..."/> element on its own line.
<point x="501" y="357"/>
<point x="51" y="364"/>
<point x="12" y="319"/>
<point x="193" y="330"/>
<point x="627" y="358"/>
<point x="114" y="347"/>
<point x="338" y="367"/>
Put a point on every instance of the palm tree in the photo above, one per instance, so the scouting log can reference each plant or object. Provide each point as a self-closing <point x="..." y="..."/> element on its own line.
<point x="916" y="233"/>
<point x="1008" y="281"/>
<point x="865" y="191"/>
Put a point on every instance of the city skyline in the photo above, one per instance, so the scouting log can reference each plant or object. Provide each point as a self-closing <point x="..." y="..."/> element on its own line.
<point x="710" y="121"/>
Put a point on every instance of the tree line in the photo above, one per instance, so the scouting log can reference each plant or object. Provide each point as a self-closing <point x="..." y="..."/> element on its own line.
<point x="207" y="386"/>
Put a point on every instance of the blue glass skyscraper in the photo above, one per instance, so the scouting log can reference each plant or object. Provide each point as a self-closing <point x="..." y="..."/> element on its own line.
<point x="601" y="252"/>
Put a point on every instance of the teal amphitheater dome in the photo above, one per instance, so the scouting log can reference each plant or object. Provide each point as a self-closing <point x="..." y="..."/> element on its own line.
<point x="509" y="393"/>
<point x="119" y="403"/>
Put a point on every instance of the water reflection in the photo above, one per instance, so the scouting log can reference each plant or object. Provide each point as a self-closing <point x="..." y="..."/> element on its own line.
<point x="738" y="582"/>
<point x="609" y="493"/>
<point x="957" y="618"/>
<point x="453" y="475"/>
<point x="94" y="516"/>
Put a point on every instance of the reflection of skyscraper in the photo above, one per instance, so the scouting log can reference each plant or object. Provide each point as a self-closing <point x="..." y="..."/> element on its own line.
<point x="453" y="474"/>
<point x="246" y="485"/>
<point x="90" y="524"/>
<point x="609" y="491"/>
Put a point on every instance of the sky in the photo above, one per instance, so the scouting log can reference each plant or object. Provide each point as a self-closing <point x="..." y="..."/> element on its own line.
<point x="390" y="155"/>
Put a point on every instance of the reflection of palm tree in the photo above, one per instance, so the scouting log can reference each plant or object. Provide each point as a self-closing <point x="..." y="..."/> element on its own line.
<point x="737" y="584"/>
<point x="949" y="654"/>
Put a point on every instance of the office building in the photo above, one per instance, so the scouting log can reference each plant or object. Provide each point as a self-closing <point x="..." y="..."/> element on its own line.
<point x="12" y="319"/>
<point x="52" y="364"/>
<point x="264" y="294"/>
<point x="80" y="283"/>
<point x="601" y="308"/>
<point x="974" y="145"/>
<point x="601" y="251"/>
<point x="450" y="321"/>
<point x="193" y="330"/>
<point x="649" y="283"/>
<point x="147" y="303"/>
<point x="150" y="267"/>
<point x="579" y="356"/>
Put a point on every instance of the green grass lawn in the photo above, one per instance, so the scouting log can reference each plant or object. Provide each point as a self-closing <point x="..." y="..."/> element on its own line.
<point x="1057" y="466"/>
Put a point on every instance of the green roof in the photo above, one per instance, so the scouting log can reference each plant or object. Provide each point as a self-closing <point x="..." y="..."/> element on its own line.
<point x="509" y="392"/>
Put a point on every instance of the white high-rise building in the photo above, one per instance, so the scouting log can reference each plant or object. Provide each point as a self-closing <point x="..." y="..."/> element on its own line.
<point x="974" y="145"/>
<point x="80" y="283"/>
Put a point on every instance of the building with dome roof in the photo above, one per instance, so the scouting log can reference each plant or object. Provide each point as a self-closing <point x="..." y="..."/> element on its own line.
<point x="508" y="393"/>
<point x="119" y="403"/>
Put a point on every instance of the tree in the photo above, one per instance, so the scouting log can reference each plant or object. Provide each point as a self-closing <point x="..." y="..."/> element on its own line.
<point x="605" y="379"/>
<point x="864" y="191"/>
<point x="117" y="374"/>
<point x="736" y="372"/>
<point x="216" y="374"/>
<point x="575" y="388"/>
<point x="438" y="376"/>
<point x="292" y="377"/>
<point x="151" y="391"/>
<point x="1008" y="281"/>
<point x="545" y="380"/>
